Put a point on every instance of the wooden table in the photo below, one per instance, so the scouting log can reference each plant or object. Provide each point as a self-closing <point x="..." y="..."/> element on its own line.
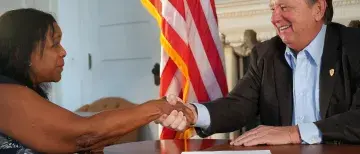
<point x="178" y="146"/>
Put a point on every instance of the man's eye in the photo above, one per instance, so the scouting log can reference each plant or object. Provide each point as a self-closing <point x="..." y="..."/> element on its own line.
<point x="283" y="8"/>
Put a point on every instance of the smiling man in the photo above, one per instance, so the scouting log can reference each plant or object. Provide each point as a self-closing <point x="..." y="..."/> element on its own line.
<point x="304" y="83"/>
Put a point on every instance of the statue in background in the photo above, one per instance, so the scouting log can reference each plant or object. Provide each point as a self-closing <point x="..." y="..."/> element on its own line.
<point x="354" y="23"/>
<point x="250" y="40"/>
<point x="244" y="50"/>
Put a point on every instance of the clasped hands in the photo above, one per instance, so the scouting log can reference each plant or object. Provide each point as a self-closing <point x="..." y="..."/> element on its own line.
<point x="179" y="116"/>
<point x="184" y="115"/>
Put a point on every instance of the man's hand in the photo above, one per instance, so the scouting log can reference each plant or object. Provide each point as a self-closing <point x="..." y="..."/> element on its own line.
<point x="176" y="120"/>
<point x="269" y="135"/>
<point x="168" y="106"/>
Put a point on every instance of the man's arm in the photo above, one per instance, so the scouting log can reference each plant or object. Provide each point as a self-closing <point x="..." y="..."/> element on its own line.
<point x="232" y="112"/>
<point x="309" y="133"/>
<point x="345" y="127"/>
<point x="240" y="106"/>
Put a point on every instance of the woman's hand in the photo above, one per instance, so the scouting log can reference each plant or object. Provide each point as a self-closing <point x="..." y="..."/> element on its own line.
<point x="168" y="105"/>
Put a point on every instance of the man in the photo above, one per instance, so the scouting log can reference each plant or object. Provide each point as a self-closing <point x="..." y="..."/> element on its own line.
<point x="304" y="83"/>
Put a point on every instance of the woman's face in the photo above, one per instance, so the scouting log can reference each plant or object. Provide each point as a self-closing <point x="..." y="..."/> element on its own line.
<point x="47" y="66"/>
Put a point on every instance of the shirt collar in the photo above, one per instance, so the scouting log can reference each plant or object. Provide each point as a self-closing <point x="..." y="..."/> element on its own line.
<point x="314" y="50"/>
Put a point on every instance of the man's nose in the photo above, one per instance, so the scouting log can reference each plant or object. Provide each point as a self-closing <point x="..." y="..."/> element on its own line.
<point x="276" y="15"/>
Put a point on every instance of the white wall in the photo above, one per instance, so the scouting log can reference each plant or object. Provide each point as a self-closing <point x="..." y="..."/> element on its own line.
<point x="69" y="92"/>
<point x="123" y="40"/>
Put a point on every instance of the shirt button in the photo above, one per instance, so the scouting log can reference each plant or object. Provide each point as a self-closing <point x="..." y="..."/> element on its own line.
<point x="315" y="140"/>
<point x="300" y="119"/>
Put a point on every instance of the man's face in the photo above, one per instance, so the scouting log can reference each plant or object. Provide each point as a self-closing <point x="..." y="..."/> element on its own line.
<point x="295" y="21"/>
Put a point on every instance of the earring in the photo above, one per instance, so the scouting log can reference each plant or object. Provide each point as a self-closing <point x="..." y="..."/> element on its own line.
<point x="30" y="64"/>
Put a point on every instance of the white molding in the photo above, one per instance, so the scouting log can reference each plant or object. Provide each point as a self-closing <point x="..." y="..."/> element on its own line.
<point x="266" y="10"/>
<point x="234" y="3"/>
<point x="27" y="3"/>
<point x="243" y="13"/>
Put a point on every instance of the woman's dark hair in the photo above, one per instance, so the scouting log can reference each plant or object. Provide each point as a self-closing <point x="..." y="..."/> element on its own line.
<point x="21" y="31"/>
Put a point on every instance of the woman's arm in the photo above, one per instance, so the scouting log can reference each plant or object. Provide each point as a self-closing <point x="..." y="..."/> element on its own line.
<point x="46" y="127"/>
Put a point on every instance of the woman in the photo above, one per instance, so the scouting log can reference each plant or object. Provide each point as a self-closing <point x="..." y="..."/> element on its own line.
<point x="31" y="55"/>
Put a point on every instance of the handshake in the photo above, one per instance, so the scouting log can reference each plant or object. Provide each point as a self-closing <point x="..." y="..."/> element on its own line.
<point x="175" y="114"/>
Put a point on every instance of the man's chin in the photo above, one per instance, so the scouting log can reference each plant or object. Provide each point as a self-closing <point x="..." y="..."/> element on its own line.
<point x="287" y="41"/>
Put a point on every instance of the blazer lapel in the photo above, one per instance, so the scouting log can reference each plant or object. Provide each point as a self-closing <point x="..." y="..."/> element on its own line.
<point x="283" y="85"/>
<point x="329" y="69"/>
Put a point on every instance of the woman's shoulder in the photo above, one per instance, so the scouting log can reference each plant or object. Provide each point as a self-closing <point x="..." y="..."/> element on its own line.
<point x="11" y="88"/>
<point x="7" y="80"/>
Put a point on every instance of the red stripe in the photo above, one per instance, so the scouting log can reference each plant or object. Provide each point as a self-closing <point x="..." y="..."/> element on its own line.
<point x="214" y="10"/>
<point x="208" y="43"/>
<point x="167" y="133"/>
<point x="167" y="76"/>
<point x="186" y="54"/>
<point x="157" y="4"/>
<point x="179" y="6"/>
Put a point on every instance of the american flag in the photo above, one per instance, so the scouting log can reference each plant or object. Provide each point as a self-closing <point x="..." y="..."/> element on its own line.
<point x="192" y="59"/>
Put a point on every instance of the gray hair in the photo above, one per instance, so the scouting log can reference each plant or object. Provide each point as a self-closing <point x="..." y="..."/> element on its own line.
<point x="329" y="12"/>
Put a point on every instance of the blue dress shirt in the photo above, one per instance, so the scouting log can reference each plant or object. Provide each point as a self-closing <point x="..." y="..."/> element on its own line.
<point x="306" y="73"/>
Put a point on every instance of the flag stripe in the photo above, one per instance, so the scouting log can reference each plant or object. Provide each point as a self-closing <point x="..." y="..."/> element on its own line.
<point x="175" y="85"/>
<point x="179" y="5"/>
<point x="166" y="78"/>
<point x="214" y="11"/>
<point x="171" y="30"/>
<point x="208" y="43"/>
<point x="208" y="76"/>
<point x="212" y="22"/>
<point x="177" y="22"/>
<point x="178" y="61"/>
<point x="164" y="58"/>
<point x="154" y="7"/>
<point x="189" y="60"/>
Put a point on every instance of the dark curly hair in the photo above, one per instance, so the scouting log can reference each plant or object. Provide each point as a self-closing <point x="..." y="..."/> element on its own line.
<point x="354" y="24"/>
<point x="21" y="30"/>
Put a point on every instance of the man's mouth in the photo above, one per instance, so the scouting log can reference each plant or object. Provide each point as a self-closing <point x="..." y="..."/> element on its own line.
<point x="282" y="28"/>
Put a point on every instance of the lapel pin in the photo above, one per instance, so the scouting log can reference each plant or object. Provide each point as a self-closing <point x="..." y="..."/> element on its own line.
<point x="332" y="71"/>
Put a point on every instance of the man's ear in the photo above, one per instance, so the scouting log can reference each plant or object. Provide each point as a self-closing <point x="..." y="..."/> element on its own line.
<point x="319" y="9"/>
